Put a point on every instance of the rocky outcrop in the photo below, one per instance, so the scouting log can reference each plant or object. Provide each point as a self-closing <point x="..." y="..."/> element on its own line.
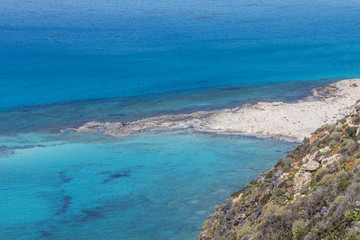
<point x="314" y="193"/>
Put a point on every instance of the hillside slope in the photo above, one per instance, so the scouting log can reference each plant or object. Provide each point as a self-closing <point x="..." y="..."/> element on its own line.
<point x="314" y="193"/>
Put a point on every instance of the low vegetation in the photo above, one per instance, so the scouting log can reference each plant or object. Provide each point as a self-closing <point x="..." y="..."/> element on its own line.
<point x="314" y="193"/>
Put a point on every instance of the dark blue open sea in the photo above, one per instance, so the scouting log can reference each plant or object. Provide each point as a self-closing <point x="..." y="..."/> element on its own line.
<point x="65" y="62"/>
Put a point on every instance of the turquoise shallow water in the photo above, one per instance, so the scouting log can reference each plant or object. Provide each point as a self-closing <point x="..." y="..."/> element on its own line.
<point x="65" y="62"/>
<point x="149" y="186"/>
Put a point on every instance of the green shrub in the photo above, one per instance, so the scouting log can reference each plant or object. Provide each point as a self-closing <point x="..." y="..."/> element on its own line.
<point x="356" y="120"/>
<point x="286" y="169"/>
<point x="320" y="174"/>
<point x="353" y="234"/>
<point x="276" y="227"/>
<point x="245" y="230"/>
<point x="351" y="131"/>
<point x="314" y="186"/>
<point x="343" y="184"/>
<point x="357" y="190"/>
<point x="352" y="215"/>
<point x="356" y="162"/>
<point x="327" y="180"/>
<point x="343" y="175"/>
<point x="323" y="143"/>
<point x="336" y="136"/>
<point x="279" y="192"/>
<point x="338" y="129"/>
<point x="339" y="199"/>
<point x="268" y="175"/>
<point x="291" y="196"/>
<point x="346" y="167"/>
<point x="300" y="229"/>
<point x="269" y="209"/>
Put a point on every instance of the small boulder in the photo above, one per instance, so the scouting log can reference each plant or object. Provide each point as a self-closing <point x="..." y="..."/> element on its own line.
<point x="331" y="159"/>
<point x="321" y="213"/>
<point x="301" y="179"/>
<point x="311" y="166"/>
<point x="228" y="205"/>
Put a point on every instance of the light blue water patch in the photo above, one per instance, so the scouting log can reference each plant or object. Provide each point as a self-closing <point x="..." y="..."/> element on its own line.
<point x="147" y="186"/>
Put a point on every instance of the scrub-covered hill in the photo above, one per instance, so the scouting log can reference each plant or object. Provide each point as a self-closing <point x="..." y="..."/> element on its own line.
<point x="314" y="193"/>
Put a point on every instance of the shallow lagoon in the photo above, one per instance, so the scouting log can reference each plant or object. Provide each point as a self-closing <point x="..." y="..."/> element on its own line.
<point x="146" y="186"/>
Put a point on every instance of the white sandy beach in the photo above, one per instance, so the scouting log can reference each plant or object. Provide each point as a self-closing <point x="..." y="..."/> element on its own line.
<point x="286" y="121"/>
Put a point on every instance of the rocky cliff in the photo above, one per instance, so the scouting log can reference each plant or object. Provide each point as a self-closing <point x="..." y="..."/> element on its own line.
<point x="314" y="193"/>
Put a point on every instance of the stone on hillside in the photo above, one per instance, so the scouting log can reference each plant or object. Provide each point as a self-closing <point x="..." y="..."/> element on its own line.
<point x="301" y="179"/>
<point x="325" y="152"/>
<point x="311" y="166"/>
<point x="228" y="205"/>
<point x="331" y="159"/>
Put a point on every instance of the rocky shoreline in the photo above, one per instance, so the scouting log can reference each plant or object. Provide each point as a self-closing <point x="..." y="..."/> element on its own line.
<point x="313" y="194"/>
<point x="285" y="121"/>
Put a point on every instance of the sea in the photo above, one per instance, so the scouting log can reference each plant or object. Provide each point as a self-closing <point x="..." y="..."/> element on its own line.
<point x="66" y="62"/>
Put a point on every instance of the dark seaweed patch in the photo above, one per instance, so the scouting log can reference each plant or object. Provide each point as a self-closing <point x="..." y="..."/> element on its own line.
<point x="66" y="204"/>
<point x="230" y="88"/>
<point x="6" y="148"/>
<point x="29" y="146"/>
<point x="66" y="180"/>
<point x="116" y="175"/>
<point x="92" y="214"/>
<point x="63" y="177"/>
<point x="45" y="234"/>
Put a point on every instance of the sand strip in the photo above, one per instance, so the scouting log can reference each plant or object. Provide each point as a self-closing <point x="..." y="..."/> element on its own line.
<point x="286" y="121"/>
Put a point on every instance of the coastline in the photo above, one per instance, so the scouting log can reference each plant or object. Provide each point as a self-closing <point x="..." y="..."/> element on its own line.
<point x="312" y="194"/>
<point x="285" y="121"/>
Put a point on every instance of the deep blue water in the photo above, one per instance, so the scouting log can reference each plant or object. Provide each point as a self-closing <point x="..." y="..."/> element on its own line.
<point x="53" y="51"/>
<point x="65" y="62"/>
